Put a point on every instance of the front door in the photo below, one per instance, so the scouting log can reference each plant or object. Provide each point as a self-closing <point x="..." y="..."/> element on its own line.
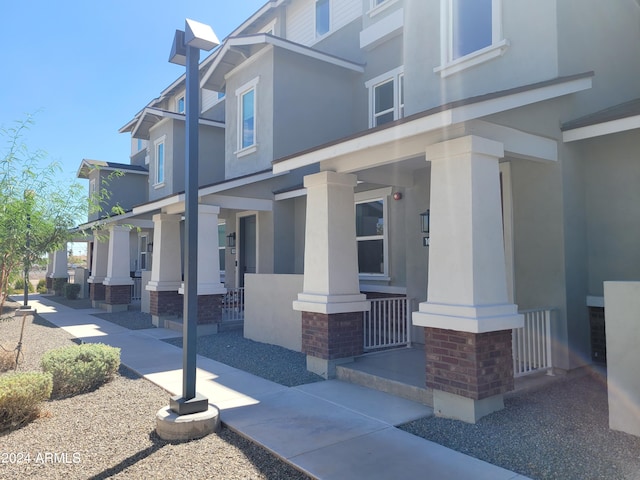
<point x="247" y="263"/>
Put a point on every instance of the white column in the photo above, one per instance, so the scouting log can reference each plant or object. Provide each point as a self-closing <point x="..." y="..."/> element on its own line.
<point x="467" y="275"/>
<point x="208" y="255"/>
<point x="331" y="256"/>
<point x="49" y="265"/>
<point x="100" y="259"/>
<point x="118" y="265"/>
<point x="60" y="263"/>
<point x="166" y="268"/>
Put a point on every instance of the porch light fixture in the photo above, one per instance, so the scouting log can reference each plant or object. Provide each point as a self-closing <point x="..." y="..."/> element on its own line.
<point x="424" y="227"/>
<point x="231" y="239"/>
<point x="186" y="51"/>
<point x="150" y="247"/>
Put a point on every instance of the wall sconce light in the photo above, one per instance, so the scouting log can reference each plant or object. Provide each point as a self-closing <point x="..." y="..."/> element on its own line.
<point x="424" y="227"/>
<point x="150" y="247"/>
<point x="397" y="196"/>
<point x="231" y="239"/>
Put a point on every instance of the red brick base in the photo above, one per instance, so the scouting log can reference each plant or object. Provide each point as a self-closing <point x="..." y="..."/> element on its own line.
<point x="167" y="303"/>
<point x="471" y="365"/>
<point x="117" y="295"/>
<point x="209" y="310"/>
<point x="332" y="336"/>
<point x="49" y="283"/>
<point x="97" y="291"/>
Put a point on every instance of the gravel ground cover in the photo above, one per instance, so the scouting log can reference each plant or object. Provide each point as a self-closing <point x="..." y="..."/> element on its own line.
<point x="559" y="431"/>
<point x="109" y="433"/>
<point x="271" y="362"/>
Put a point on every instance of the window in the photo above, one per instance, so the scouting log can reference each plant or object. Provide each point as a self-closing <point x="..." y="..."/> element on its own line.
<point x="247" y="117"/>
<point x="143" y="252"/>
<point x="371" y="232"/>
<point x="323" y="15"/>
<point x="222" y="239"/>
<point x="159" y="161"/>
<point x="471" y="34"/>
<point x="386" y="94"/>
<point x="180" y="104"/>
<point x="220" y="95"/>
<point x="139" y="144"/>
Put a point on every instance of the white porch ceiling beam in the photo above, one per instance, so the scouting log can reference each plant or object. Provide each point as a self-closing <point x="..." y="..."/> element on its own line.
<point x="605" y="128"/>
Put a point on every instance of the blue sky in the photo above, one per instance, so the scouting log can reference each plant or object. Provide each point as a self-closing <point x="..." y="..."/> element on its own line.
<point x="84" y="68"/>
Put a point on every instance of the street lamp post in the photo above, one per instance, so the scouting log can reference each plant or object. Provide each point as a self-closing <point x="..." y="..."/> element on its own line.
<point x="186" y="51"/>
<point x="28" y="195"/>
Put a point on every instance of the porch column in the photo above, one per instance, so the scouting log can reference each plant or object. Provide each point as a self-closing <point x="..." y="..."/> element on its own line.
<point x="166" y="270"/>
<point x="99" y="261"/>
<point x="331" y="302"/>
<point x="60" y="272"/>
<point x="210" y="290"/>
<point x="47" y="275"/>
<point x="467" y="316"/>
<point x="117" y="292"/>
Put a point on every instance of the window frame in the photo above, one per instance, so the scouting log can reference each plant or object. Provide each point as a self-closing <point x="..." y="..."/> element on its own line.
<point x="143" y="242"/>
<point x="240" y="93"/>
<point x="397" y="77"/>
<point x="448" y="64"/>
<point x="180" y="101"/>
<point x="380" y="194"/>
<point x="159" y="180"/>
<point x="222" y="247"/>
<point x="315" y="18"/>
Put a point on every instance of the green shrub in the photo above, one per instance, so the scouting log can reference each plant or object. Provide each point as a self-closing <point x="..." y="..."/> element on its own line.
<point x="80" y="368"/>
<point x="7" y="360"/>
<point x="71" y="290"/>
<point x="58" y="285"/>
<point x="18" y="286"/>
<point x="20" y="397"/>
<point x="42" y="286"/>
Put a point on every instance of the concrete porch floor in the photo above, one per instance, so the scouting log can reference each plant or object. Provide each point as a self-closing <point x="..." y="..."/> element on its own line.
<point x="402" y="372"/>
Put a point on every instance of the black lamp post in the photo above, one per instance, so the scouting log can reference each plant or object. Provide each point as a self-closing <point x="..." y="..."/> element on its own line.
<point x="186" y="51"/>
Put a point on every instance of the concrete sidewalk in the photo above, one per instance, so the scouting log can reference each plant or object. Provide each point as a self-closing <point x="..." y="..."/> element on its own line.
<point x="329" y="430"/>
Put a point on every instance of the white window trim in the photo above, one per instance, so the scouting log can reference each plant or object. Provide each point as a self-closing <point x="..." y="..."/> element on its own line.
<point x="246" y="88"/>
<point x="376" y="9"/>
<point x="269" y="28"/>
<point x="449" y="66"/>
<point x="156" y="143"/>
<point x="142" y="252"/>
<point x="315" y="21"/>
<point x="182" y="97"/>
<point x="381" y="194"/>
<point x="393" y="75"/>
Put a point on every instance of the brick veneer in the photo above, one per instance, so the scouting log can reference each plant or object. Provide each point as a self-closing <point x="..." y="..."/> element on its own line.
<point x="471" y="365"/>
<point x="117" y="294"/>
<point x="209" y="310"/>
<point x="97" y="291"/>
<point x="166" y="303"/>
<point x="332" y="336"/>
<point x="49" y="283"/>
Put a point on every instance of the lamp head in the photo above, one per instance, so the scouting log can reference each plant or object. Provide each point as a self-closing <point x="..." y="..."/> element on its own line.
<point x="199" y="35"/>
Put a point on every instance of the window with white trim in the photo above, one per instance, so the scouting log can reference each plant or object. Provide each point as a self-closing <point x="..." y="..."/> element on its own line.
<point x="180" y="104"/>
<point x="386" y="97"/>
<point x="222" y="244"/>
<point x="142" y="260"/>
<point x="371" y="233"/>
<point x="323" y="17"/>
<point x="247" y="97"/>
<point x="471" y="33"/>
<point x="159" y="161"/>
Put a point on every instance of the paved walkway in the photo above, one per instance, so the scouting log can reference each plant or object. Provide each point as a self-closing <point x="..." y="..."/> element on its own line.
<point x="330" y="430"/>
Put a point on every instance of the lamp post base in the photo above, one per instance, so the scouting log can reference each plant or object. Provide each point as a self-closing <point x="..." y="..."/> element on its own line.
<point x="173" y="427"/>
<point x="183" y="406"/>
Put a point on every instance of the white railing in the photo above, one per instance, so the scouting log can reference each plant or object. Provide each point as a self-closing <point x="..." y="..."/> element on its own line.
<point x="136" y="289"/>
<point x="532" y="343"/>
<point x="233" y="305"/>
<point x="387" y="324"/>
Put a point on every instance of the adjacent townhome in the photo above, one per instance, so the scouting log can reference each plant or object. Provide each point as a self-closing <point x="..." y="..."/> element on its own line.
<point x="457" y="174"/>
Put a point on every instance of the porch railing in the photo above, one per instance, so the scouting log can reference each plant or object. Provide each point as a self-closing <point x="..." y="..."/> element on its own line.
<point x="532" y="343"/>
<point x="136" y="289"/>
<point x="233" y="305"/>
<point x="387" y="324"/>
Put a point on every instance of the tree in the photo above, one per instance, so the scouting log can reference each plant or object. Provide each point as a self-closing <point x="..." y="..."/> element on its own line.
<point x="33" y="202"/>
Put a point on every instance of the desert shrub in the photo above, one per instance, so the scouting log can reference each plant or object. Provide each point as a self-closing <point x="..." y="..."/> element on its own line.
<point x="21" y="395"/>
<point x="71" y="290"/>
<point x="58" y="285"/>
<point x="42" y="286"/>
<point x="80" y="368"/>
<point x="7" y="360"/>
<point x="18" y="286"/>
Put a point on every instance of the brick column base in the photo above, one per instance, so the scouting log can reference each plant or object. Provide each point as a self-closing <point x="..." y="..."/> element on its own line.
<point x="331" y="339"/>
<point x="165" y="303"/>
<point x="209" y="310"/>
<point x="97" y="292"/>
<point x="470" y="370"/>
<point x="49" y="283"/>
<point x="117" y="298"/>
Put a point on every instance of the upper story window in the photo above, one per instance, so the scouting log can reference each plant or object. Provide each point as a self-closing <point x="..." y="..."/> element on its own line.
<point x="371" y="232"/>
<point x="471" y="33"/>
<point x="247" y="117"/>
<point x="386" y="97"/>
<point x="159" y="161"/>
<point x="180" y="104"/>
<point x="323" y="17"/>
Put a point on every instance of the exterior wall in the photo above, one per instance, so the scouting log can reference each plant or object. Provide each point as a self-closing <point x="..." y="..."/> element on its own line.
<point x="164" y="127"/>
<point x="532" y="55"/>
<point x="210" y="155"/>
<point x="299" y="233"/>
<point x="126" y="191"/>
<point x="279" y="324"/>
<point x="284" y="236"/>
